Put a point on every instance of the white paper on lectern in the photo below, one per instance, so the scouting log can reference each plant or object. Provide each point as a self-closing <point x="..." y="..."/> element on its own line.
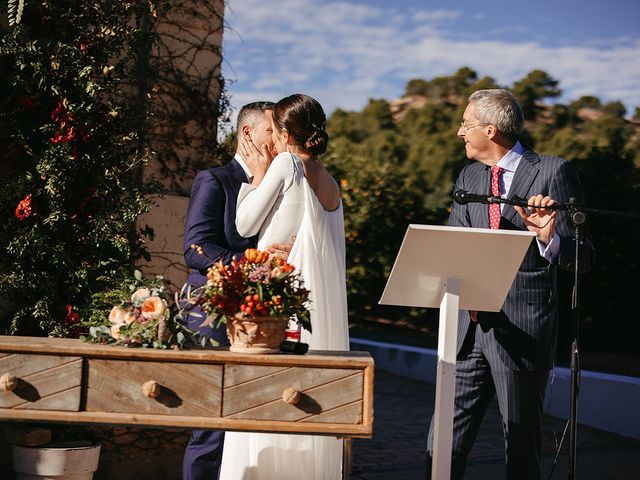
<point x="484" y="260"/>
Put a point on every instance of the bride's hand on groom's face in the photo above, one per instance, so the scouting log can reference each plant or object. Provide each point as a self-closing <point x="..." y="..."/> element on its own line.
<point x="257" y="159"/>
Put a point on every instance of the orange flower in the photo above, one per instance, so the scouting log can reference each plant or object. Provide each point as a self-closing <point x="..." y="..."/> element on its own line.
<point x="256" y="256"/>
<point x="118" y="315"/>
<point x="139" y="295"/>
<point x="115" y="330"/>
<point x="152" y="307"/>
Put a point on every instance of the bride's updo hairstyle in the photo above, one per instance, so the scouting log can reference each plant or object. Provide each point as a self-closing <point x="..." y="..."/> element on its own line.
<point x="302" y="116"/>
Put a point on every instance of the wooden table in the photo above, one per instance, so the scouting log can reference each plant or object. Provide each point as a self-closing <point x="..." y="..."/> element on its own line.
<point x="66" y="380"/>
<point x="69" y="381"/>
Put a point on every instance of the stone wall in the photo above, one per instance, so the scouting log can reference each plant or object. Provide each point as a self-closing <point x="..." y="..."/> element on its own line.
<point x="167" y="218"/>
<point x="140" y="454"/>
<point x="182" y="130"/>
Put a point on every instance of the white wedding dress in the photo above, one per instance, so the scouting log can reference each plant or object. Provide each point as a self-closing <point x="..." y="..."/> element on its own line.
<point x="284" y="205"/>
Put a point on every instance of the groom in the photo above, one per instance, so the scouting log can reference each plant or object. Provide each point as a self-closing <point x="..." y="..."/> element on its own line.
<point x="210" y="223"/>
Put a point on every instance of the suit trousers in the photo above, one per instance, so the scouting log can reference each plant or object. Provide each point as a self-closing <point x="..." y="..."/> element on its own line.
<point x="203" y="455"/>
<point x="481" y="374"/>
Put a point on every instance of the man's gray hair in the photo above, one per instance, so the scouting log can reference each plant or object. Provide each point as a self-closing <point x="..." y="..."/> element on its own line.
<point x="247" y="115"/>
<point x="499" y="107"/>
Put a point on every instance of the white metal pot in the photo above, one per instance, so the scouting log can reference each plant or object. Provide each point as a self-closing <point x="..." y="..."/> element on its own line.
<point x="54" y="461"/>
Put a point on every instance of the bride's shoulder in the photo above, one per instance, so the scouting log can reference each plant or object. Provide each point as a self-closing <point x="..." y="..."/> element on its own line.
<point x="284" y="159"/>
<point x="284" y="162"/>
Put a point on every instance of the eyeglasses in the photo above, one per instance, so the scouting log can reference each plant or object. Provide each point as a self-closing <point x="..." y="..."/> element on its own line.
<point x="464" y="127"/>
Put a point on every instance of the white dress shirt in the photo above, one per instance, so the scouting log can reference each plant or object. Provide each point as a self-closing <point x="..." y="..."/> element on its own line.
<point x="247" y="172"/>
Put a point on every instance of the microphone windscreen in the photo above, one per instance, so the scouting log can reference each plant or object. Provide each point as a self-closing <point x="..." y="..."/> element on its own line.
<point x="460" y="197"/>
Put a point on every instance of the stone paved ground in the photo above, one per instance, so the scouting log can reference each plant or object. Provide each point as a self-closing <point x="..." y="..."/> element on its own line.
<point x="403" y="408"/>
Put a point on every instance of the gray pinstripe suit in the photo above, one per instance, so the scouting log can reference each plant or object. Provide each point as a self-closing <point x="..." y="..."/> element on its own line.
<point x="509" y="353"/>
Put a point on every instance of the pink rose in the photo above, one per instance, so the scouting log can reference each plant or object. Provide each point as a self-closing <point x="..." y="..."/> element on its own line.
<point x="139" y="295"/>
<point x="130" y="318"/>
<point x="118" y="315"/>
<point x="115" y="330"/>
<point x="152" y="308"/>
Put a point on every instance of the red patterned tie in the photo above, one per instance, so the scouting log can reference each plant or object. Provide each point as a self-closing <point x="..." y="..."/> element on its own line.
<point x="494" y="208"/>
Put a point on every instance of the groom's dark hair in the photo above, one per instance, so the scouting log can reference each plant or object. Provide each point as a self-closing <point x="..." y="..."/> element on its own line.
<point x="249" y="109"/>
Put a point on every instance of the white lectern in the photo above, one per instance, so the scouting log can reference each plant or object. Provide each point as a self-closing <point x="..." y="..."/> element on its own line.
<point x="453" y="268"/>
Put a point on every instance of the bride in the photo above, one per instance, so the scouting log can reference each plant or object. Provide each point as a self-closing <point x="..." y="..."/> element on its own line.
<point x="294" y="195"/>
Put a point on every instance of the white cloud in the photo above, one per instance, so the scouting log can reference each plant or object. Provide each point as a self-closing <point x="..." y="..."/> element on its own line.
<point x="343" y="54"/>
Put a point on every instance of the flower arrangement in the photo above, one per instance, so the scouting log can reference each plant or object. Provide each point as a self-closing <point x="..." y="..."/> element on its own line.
<point x="256" y="285"/>
<point x="143" y="318"/>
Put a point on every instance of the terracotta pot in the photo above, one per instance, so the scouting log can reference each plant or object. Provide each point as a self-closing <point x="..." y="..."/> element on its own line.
<point x="63" y="460"/>
<point x="256" y="334"/>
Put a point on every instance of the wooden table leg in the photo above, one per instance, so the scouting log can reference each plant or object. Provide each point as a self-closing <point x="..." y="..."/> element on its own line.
<point x="347" y="458"/>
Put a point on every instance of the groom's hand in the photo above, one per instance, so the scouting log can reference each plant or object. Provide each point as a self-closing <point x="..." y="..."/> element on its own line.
<point x="281" y="250"/>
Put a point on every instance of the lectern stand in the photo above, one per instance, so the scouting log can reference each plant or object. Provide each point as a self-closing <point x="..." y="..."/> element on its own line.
<point x="453" y="268"/>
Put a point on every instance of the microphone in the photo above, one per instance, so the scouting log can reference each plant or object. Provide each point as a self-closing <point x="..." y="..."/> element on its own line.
<point x="462" y="197"/>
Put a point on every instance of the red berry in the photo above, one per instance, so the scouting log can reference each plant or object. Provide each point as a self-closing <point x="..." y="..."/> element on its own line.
<point x="256" y="297"/>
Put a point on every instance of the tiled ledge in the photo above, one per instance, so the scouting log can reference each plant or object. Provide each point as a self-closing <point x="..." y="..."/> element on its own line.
<point x="606" y="401"/>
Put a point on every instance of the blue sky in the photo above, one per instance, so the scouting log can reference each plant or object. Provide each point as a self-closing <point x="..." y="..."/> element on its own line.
<point x="344" y="52"/>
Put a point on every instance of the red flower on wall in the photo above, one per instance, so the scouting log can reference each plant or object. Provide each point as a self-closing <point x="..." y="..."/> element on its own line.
<point x="66" y="136"/>
<point x="72" y="318"/>
<point x="85" y="43"/>
<point x="63" y="119"/>
<point x="60" y="115"/>
<point x="23" y="210"/>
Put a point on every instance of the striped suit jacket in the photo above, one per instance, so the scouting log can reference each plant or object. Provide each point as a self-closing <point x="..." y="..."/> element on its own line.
<point x="524" y="332"/>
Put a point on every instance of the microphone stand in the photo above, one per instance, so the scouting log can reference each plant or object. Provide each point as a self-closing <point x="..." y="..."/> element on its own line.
<point x="578" y="218"/>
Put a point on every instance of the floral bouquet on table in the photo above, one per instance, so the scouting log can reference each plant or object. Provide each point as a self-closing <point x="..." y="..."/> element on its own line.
<point x="248" y="292"/>
<point x="143" y="317"/>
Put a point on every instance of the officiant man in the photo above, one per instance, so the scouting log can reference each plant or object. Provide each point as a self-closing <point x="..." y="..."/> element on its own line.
<point x="509" y="353"/>
<point x="211" y="224"/>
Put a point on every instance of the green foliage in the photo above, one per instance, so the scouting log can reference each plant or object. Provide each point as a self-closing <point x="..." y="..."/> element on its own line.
<point x="381" y="193"/>
<point x="586" y="101"/>
<point x="70" y="187"/>
<point x="15" y="11"/>
<point x="373" y="233"/>
<point x="534" y="88"/>
<point x="442" y="87"/>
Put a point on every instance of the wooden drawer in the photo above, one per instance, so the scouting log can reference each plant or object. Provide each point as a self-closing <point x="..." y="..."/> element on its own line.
<point x="328" y="395"/>
<point x="44" y="382"/>
<point x="185" y="389"/>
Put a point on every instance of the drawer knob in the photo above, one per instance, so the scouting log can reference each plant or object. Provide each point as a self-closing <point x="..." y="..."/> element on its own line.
<point x="151" y="389"/>
<point x="8" y="382"/>
<point x="290" y="395"/>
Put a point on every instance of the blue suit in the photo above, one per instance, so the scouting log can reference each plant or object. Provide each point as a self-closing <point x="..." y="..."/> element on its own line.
<point x="509" y="353"/>
<point x="210" y="223"/>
